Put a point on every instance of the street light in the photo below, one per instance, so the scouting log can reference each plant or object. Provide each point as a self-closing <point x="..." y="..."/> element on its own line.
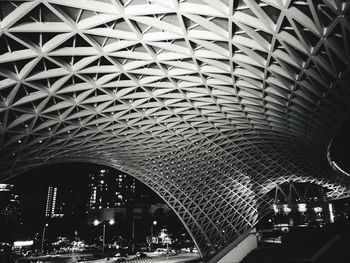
<point x="43" y="237"/>
<point x="154" y="223"/>
<point x="104" y="223"/>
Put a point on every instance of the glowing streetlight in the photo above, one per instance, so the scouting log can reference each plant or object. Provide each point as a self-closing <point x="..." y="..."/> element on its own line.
<point x="43" y="238"/>
<point x="104" y="223"/>
<point x="154" y="223"/>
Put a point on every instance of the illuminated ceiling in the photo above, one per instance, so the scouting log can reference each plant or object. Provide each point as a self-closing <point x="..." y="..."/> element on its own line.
<point x="209" y="102"/>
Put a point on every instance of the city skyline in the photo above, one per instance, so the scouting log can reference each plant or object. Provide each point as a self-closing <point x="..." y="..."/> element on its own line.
<point x="62" y="197"/>
<point x="57" y="175"/>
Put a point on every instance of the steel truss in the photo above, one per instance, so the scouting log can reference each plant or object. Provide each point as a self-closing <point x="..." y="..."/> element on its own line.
<point x="211" y="103"/>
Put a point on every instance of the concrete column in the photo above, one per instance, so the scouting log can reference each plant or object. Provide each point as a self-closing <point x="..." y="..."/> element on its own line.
<point x="243" y="248"/>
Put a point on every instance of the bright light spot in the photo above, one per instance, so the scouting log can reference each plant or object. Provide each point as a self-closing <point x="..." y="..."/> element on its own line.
<point x="96" y="222"/>
<point x="275" y="208"/>
<point x="302" y="208"/>
<point x="286" y="209"/>
<point x="318" y="209"/>
<point x="23" y="243"/>
<point x="111" y="222"/>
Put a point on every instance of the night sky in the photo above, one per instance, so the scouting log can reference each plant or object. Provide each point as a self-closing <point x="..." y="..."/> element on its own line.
<point x="63" y="174"/>
<point x="52" y="175"/>
<point x="32" y="188"/>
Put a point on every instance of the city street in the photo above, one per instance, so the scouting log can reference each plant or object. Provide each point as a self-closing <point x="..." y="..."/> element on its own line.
<point x="181" y="258"/>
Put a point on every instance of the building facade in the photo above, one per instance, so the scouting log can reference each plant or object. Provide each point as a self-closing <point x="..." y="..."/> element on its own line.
<point x="111" y="192"/>
<point x="110" y="189"/>
<point x="59" y="202"/>
<point x="10" y="213"/>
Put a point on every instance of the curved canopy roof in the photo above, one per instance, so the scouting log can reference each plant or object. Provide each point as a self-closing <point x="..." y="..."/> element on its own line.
<point x="209" y="102"/>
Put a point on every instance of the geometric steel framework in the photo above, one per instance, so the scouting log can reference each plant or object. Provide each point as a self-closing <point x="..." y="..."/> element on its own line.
<point x="211" y="103"/>
<point x="299" y="193"/>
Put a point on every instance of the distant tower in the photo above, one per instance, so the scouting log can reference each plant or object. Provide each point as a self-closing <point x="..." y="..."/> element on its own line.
<point x="110" y="189"/>
<point x="10" y="212"/>
<point x="111" y="192"/>
<point x="9" y="202"/>
<point x="58" y="202"/>
<point x="50" y="205"/>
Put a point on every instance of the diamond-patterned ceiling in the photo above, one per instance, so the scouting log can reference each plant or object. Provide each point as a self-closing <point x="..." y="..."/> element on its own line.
<point x="209" y="102"/>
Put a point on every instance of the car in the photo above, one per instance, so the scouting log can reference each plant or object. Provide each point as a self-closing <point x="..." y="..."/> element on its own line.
<point x="161" y="251"/>
<point x="195" y="250"/>
<point x="82" y="259"/>
<point x="141" y="255"/>
<point x="119" y="257"/>
<point x="186" y="250"/>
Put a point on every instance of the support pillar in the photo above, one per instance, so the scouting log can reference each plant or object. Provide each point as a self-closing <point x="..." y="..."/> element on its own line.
<point x="237" y="250"/>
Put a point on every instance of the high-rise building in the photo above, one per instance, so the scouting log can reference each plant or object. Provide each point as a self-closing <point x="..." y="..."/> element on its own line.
<point x="111" y="193"/>
<point x="110" y="189"/>
<point x="58" y="202"/>
<point x="10" y="212"/>
<point x="50" y="201"/>
<point x="9" y="202"/>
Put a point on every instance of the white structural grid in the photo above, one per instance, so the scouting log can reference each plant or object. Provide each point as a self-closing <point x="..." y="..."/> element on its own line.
<point x="211" y="103"/>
